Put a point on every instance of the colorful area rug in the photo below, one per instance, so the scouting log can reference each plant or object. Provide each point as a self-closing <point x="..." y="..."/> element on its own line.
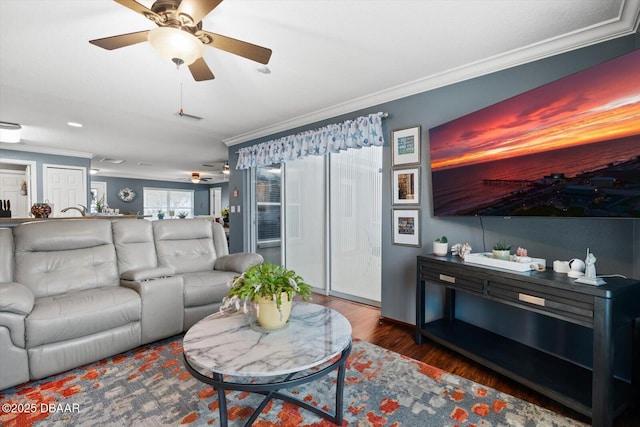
<point x="149" y="386"/>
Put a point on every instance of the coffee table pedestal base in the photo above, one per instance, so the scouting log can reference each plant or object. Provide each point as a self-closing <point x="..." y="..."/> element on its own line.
<point x="271" y="390"/>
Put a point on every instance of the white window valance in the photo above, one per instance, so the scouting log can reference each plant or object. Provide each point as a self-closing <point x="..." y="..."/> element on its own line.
<point x="364" y="131"/>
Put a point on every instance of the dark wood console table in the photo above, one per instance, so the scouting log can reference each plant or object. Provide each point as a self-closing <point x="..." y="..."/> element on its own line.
<point x="593" y="391"/>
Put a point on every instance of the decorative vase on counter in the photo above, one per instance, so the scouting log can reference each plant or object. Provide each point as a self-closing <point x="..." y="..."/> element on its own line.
<point x="41" y="210"/>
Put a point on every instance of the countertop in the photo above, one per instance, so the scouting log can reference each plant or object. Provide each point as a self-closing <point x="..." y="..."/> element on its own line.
<point x="11" y="222"/>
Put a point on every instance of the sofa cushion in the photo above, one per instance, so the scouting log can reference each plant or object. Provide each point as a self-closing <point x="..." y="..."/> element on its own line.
<point x="81" y="313"/>
<point x="186" y="246"/>
<point x="60" y="256"/>
<point x="206" y="287"/>
<point x="134" y="244"/>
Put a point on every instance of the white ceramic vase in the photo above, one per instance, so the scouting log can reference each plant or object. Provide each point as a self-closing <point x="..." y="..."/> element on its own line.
<point x="440" y="249"/>
<point x="504" y="255"/>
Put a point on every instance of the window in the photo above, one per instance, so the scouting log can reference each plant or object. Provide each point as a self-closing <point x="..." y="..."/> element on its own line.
<point x="169" y="202"/>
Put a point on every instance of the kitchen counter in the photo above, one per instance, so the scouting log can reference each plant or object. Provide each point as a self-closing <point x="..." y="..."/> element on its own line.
<point x="12" y="222"/>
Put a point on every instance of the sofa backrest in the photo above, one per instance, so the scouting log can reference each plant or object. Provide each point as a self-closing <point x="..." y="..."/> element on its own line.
<point x="219" y="239"/>
<point x="185" y="245"/>
<point x="6" y="255"/>
<point x="135" y="248"/>
<point x="59" y="256"/>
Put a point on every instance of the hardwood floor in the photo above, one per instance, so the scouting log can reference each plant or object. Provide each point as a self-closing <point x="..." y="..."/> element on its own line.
<point x="368" y="326"/>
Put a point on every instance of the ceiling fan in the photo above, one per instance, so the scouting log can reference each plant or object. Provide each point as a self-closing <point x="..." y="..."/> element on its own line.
<point x="196" y="178"/>
<point x="180" y="37"/>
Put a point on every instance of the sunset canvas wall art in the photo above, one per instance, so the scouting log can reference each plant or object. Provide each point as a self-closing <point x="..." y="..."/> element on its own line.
<point x="568" y="148"/>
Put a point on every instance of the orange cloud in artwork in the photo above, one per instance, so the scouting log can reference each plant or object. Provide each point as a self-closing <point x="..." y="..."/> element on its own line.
<point x="594" y="105"/>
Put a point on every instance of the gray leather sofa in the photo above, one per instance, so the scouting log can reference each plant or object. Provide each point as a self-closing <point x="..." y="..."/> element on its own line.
<point x="77" y="291"/>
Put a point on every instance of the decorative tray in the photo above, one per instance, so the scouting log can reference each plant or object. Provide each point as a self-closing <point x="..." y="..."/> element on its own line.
<point x="486" y="258"/>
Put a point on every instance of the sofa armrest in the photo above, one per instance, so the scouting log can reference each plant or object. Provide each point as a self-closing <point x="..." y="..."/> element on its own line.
<point x="239" y="262"/>
<point x="162" y="306"/>
<point x="142" y="274"/>
<point x="16" y="298"/>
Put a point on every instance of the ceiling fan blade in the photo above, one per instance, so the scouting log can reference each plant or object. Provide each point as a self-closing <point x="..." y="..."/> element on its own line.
<point x="200" y="70"/>
<point x="122" y="40"/>
<point x="238" y="47"/>
<point x="136" y="7"/>
<point x="197" y="9"/>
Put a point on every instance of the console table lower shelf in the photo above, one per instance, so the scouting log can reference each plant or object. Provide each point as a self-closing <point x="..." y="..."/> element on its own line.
<point x="600" y="384"/>
<point x="560" y="380"/>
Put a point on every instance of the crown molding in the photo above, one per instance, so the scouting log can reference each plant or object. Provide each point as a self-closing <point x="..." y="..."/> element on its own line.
<point x="626" y="23"/>
<point x="45" y="150"/>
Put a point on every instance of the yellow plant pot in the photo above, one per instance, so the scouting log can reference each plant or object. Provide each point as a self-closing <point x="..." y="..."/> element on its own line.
<point x="269" y="316"/>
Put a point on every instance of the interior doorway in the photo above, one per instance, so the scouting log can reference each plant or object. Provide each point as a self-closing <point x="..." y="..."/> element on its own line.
<point x="215" y="202"/>
<point x="21" y="206"/>
<point x="98" y="194"/>
<point x="13" y="189"/>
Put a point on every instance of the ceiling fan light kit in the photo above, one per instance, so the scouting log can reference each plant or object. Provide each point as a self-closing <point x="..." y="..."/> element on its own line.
<point x="180" y="37"/>
<point x="175" y="44"/>
<point x="10" y="132"/>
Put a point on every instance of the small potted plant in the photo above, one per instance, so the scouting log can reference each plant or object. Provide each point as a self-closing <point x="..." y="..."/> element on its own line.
<point x="225" y="215"/>
<point x="182" y="215"/>
<point x="272" y="288"/>
<point x="100" y="205"/>
<point x="502" y="250"/>
<point x="441" y="246"/>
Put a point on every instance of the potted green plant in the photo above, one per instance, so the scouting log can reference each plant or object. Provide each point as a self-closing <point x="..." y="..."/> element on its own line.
<point x="441" y="246"/>
<point x="225" y="215"/>
<point x="182" y="215"/>
<point x="100" y="205"/>
<point x="502" y="250"/>
<point x="272" y="288"/>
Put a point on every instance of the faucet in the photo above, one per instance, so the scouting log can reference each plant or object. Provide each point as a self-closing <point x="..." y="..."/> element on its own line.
<point x="82" y="211"/>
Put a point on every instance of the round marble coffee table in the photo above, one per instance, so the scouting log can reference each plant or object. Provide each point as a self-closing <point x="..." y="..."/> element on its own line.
<point x="270" y="361"/>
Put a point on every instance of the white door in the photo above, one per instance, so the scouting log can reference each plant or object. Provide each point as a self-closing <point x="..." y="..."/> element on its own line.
<point x="215" y="202"/>
<point x="12" y="189"/>
<point x="65" y="186"/>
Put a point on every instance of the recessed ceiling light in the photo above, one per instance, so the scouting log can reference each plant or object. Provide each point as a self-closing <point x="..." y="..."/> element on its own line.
<point x="75" y="124"/>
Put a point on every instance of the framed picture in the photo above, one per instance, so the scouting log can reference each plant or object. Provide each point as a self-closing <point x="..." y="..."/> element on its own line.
<point x="406" y="227"/>
<point x="406" y="186"/>
<point x="405" y="146"/>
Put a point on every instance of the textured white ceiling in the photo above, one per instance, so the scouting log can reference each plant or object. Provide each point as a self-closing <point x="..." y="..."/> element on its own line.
<point x="329" y="57"/>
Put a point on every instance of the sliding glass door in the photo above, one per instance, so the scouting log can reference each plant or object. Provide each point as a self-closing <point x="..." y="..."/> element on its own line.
<point x="305" y="219"/>
<point x="267" y="218"/>
<point x="355" y="217"/>
<point x="330" y="214"/>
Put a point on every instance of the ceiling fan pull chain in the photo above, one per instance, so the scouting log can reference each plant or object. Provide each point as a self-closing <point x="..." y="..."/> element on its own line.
<point x="181" y="112"/>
